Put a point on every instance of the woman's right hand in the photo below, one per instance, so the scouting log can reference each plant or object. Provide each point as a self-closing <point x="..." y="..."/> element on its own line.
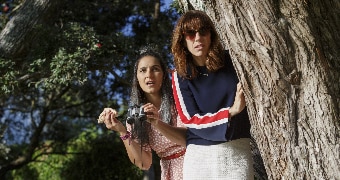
<point x="152" y="113"/>
<point x="108" y="116"/>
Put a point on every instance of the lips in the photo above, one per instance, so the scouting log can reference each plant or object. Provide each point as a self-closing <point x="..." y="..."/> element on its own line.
<point x="200" y="46"/>
<point x="150" y="83"/>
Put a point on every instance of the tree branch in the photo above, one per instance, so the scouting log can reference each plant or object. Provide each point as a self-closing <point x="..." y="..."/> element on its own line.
<point x="19" y="32"/>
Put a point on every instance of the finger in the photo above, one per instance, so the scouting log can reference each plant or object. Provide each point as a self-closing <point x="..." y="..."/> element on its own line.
<point x="144" y="106"/>
<point x="101" y="118"/>
<point x="239" y="86"/>
<point x="106" y="110"/>
<point x="107" y="118"/>
<point x="113" y="118"/>
<point x="147" y="106"/>
<point x="110" y="111"/>
<point x="153" y="115"/>
<point x="113" y="111"/>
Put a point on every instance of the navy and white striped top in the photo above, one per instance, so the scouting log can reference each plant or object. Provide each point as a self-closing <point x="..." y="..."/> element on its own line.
<point x="203" y="105"/>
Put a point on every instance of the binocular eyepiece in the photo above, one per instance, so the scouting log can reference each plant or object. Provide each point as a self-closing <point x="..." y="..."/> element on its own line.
<point x="135" y="113"/>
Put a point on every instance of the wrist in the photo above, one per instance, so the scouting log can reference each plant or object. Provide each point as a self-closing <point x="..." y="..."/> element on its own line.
<point x="155" y="122"/>
<point x="231" y="112"/>
<point x="122" y="133"/>
<point x="125" y="136"/>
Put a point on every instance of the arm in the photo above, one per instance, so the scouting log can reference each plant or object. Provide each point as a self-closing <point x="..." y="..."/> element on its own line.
<point x="187" y="107"/>
<point x="174" y="134"/>
<point x="211" y="122"/>
<point x="137" y="156"/>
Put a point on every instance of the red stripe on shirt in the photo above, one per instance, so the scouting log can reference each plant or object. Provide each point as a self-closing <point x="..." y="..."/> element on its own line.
<point x="196" y="119"/>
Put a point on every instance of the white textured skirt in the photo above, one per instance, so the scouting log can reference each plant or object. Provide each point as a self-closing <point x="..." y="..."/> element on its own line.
<point x="230" y="160"/>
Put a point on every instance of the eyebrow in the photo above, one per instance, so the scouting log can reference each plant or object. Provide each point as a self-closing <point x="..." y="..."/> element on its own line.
<point x="156" y="65"/>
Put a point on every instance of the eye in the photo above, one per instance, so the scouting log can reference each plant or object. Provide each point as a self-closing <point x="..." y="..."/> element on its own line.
<point x="142" y="70"/>
<point x="191" y="34"/>
<point x="156" y="69"/>
<point x="203" y="31"/>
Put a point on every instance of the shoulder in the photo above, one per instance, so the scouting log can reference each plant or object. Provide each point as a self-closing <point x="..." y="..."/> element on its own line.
<point x="177" y="77"/>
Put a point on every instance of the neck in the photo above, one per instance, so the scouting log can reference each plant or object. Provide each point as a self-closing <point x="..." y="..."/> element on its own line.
<point x="154" y="99"/>
<point x="200" y="60"/>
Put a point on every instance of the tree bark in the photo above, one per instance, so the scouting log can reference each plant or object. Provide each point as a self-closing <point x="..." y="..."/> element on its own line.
<point x="19" y="32"/>
<point x="287" y="57"/>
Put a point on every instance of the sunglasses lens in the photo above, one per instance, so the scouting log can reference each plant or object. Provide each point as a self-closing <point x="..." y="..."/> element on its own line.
<point x="191" y="34"/>
<point x="203" y="31"/>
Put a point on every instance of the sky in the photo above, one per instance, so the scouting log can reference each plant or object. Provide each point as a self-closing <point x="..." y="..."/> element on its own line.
<point x="128" y="29"/>
<point x="167" y="3"/>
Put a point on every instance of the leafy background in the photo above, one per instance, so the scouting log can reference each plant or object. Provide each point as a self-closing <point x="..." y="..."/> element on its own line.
<point x="50" y="99"/>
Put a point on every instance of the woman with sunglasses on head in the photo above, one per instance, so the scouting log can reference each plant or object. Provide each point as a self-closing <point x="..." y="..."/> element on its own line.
<point x="151" y="86"/>
<point x="210" y="102"/>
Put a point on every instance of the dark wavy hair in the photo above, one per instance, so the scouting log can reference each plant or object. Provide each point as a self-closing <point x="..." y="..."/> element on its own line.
<point x="168" y="113"/>
<point x="183" y="60"/>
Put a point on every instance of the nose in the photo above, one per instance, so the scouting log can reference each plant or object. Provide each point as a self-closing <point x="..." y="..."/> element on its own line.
<point x="197" y="35"/>
<point x="148" y="73"/>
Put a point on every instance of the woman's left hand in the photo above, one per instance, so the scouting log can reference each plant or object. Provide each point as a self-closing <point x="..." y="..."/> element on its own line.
<point x="239" y="103"/>
<point x="152" y="113"/>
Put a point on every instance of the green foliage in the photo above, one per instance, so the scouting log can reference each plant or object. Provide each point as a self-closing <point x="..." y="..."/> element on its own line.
<point x="8" y="76"/>
<point x="88" y="156"/>
<point x="175" y="5"/>
<point x="73" y="70"/>
<point x="105" y="158"/>
<point x="68" y="65"/>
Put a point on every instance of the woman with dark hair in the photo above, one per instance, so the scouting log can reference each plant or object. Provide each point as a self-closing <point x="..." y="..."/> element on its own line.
<point x="151" y="88"/>
<point x="210" y="102"/>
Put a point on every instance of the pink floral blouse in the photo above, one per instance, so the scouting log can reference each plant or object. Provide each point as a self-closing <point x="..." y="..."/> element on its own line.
<point x="171" y="154"/>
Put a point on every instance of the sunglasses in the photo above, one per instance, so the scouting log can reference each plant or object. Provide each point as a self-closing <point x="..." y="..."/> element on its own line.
<point x="191" y="34"/>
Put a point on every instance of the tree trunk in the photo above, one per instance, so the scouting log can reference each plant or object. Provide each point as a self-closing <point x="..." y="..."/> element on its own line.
<point x="19" y="32"/>
<point x="287" y="57"/>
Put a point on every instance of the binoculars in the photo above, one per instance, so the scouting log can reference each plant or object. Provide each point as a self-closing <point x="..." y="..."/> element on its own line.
<point x="135" y="113"/>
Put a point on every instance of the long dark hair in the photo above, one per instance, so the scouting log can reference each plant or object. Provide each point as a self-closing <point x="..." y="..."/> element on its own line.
<point x="168" y="113"/>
